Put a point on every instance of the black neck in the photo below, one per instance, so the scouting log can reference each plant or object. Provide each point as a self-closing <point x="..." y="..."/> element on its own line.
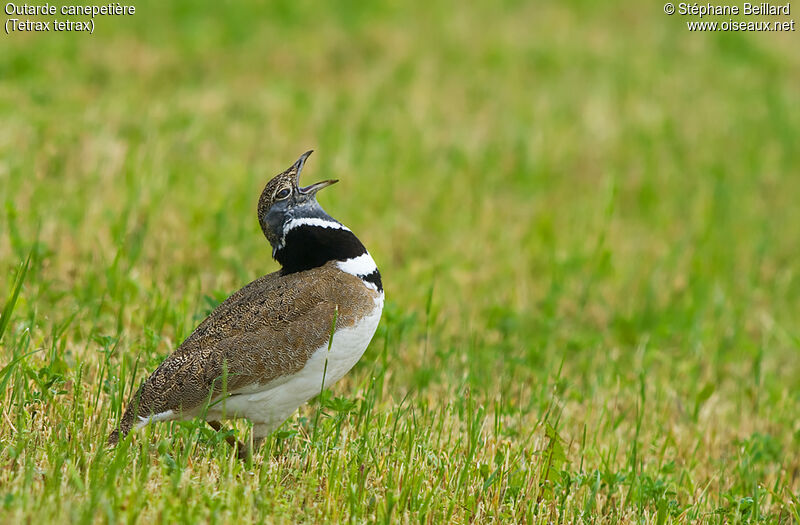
<point x="306" y="247"/>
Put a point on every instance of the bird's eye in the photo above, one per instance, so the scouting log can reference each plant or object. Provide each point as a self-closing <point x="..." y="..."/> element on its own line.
<point x="282" y="194"/>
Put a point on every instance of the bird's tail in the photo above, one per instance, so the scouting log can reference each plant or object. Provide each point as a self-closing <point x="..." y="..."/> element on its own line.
<point x="128" y="419"/>
<point x="125" y="426"/>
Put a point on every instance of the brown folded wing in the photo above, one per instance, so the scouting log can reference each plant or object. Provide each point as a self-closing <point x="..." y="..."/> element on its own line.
<point x="266" y="330"/>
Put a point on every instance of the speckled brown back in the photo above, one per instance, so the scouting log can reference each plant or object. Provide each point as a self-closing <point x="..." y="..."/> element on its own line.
<point x="266" y="330"/>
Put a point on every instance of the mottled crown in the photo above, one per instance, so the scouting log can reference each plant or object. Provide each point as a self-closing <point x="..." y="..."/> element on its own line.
<point x="286" y="179"/>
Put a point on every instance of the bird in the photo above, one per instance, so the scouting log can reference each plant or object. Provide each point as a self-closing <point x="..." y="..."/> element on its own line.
<point x="280" y="340"/>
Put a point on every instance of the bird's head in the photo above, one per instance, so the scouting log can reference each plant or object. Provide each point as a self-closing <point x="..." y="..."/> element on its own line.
<point x="283" y="200"/>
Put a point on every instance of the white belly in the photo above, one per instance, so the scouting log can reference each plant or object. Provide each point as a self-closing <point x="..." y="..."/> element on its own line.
<point x="269" y="405"/>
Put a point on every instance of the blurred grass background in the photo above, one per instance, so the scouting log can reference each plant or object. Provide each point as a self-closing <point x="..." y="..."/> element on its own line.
<point x="584" y="214"/>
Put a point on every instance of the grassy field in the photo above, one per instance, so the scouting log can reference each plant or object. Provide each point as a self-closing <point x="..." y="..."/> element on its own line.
<point x="586" y="218"/>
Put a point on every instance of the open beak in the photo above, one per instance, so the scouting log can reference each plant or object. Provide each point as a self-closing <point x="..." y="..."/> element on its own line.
<point x="314" y="188"/>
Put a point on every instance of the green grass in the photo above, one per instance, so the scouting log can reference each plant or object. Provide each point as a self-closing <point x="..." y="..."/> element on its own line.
<point x="585" y="216"/>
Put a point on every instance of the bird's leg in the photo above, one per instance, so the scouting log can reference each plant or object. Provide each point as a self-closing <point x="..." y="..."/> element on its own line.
<point x="259" y="434"/>
<point x="242" y="451"/>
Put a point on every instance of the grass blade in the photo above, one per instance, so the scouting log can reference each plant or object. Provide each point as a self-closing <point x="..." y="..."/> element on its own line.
<point x="8" y="309"/>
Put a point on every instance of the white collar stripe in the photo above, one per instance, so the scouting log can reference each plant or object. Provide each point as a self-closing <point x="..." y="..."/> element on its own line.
<point x="312" y="221"/>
